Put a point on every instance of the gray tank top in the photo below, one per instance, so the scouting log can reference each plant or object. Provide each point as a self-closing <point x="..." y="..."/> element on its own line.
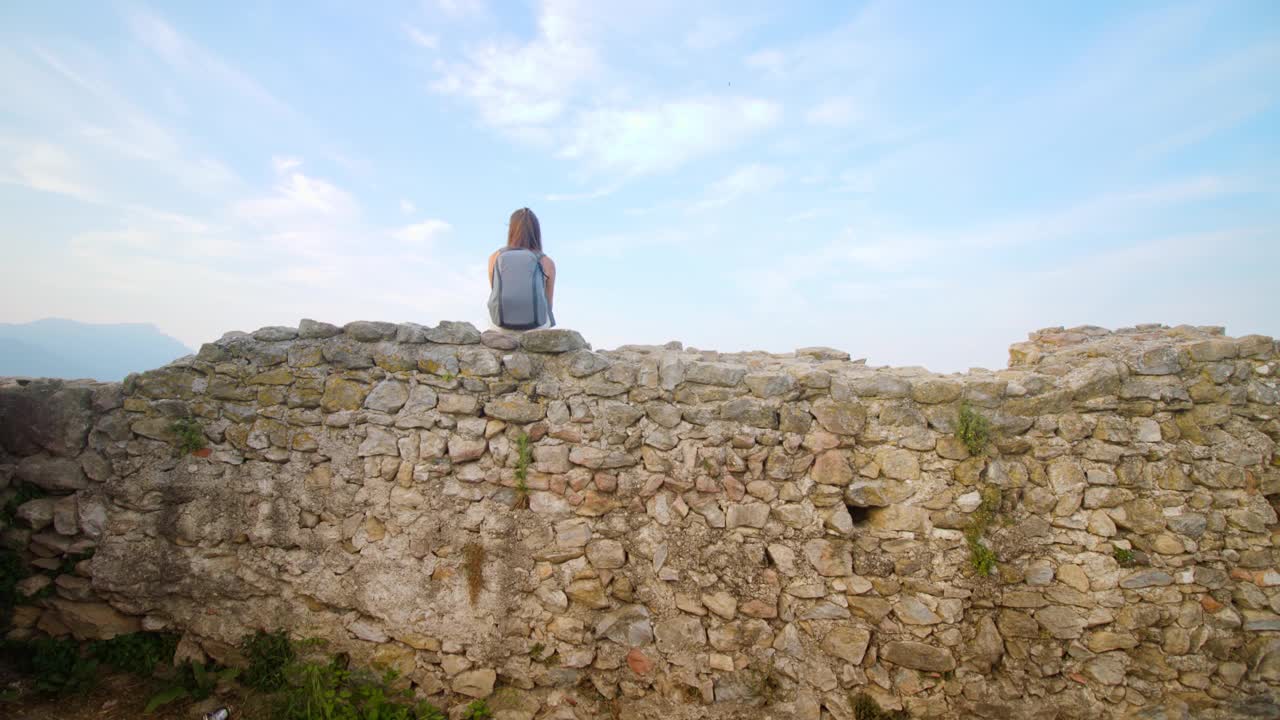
<point x="518" y="300"/>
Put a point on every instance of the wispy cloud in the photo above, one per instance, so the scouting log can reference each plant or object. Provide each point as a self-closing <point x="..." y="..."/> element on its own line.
<point x="872" y="246"/>
<point x="632" y="244"/>
<point x="710" y="33"/>
<point x="602" y="191"/>
<point x="428" y="41"/>
<point x="297" y="196"/>
<point x="743" y="182"/>
<point x="284" y="163"/>
<point x="664" y="136"/>
<point x="183" y="53"/>
<point x="68" y="95"/>
<point x="43" y="166"/>
<point x="854" y="181"/>
<point x="461" y="8"/>
<point x="523" y="86"/>
<point x="834" y="112"/>
<point x="558" y="90"/>
<point x="770" y="61"/>
<point x="423" y="233"/>
<point x="293" y="243"/>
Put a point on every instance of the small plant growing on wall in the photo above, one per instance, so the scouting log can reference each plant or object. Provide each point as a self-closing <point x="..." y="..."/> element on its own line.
<point x="973" y="429"/>
<point x="189" y="434"/>
<point x="524" y="456"/>
<point x="981" y="557"/>
<point x="1124" y="556"/>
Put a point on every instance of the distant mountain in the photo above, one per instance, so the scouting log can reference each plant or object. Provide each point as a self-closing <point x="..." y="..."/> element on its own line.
<point x="70" y="349"/>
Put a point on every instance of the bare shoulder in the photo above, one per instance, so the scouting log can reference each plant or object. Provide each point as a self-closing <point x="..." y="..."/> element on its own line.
<point x="548" y="264"/>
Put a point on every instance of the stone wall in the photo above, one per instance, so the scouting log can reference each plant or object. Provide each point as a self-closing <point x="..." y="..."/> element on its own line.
<point x="667" y="532"/>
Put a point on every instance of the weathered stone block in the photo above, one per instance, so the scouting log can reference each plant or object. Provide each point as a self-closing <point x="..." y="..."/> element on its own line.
<point x="552" y="340"/>
<point x="829" y="558"/>
<point x="841" y="418"/>
<point x="919" y="656"/>
<point x="343" y="394"/>
<point x="54" y="474"/>
<point x="515" y="409"/>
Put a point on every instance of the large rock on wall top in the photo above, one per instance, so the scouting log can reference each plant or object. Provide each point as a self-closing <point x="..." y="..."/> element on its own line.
<point x="51" y="416"/>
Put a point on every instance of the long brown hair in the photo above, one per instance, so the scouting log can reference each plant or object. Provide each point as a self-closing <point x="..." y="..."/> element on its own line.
<point x="524" y="231"/>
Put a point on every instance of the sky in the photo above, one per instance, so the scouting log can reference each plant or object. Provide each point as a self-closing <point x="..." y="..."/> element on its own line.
<point x="914" y="183"/>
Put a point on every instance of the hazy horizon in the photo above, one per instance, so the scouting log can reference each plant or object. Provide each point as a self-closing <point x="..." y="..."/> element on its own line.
<point x="66" y="348"/>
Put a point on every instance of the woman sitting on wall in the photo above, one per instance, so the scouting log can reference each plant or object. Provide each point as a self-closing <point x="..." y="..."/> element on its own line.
<point x="521" y="278"/>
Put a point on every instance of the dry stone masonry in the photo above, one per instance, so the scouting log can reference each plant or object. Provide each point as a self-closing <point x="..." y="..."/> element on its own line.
<point x="661" y="532"/>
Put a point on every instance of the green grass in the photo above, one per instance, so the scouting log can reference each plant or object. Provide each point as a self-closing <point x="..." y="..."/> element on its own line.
<point x="1124" y="556"/>
<point x="330" y="691"/>
<point x="981" y="557"/>
<point x="268" y="655"/>
<point x="190" y="435"/>
<point x="524" y="456"/>
<point x="138" y="653"/>
<point x="56" y="665"/>
<point x="193" y="681"/>
<point x="61" y="666"/>
<point x="477" y="710"/>
<point x="327" y="689"/>
<point x="294" y="689"/>
<point x="973" y="429"/>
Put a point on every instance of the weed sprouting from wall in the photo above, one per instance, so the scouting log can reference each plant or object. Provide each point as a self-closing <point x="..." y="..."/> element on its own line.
<point x="189" y="434"/>
<point x="973" y="429"/>
<point x="1124" y="556"/>
<point x="981" y="557"/>
<point x="524" y="456"/>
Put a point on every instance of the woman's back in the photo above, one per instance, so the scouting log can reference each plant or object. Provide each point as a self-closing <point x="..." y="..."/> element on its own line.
<point x="521" y="277"/>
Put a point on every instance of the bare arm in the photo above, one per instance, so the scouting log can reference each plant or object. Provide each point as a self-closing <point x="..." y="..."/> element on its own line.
<point x="492" y="258"/>
<point x="549" y="267"/>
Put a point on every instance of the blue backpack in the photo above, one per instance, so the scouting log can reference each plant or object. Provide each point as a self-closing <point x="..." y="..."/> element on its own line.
<point x="519" y="297"/>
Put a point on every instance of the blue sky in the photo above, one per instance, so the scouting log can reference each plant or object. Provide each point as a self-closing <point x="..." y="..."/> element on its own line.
<point x="916" y="183"/>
